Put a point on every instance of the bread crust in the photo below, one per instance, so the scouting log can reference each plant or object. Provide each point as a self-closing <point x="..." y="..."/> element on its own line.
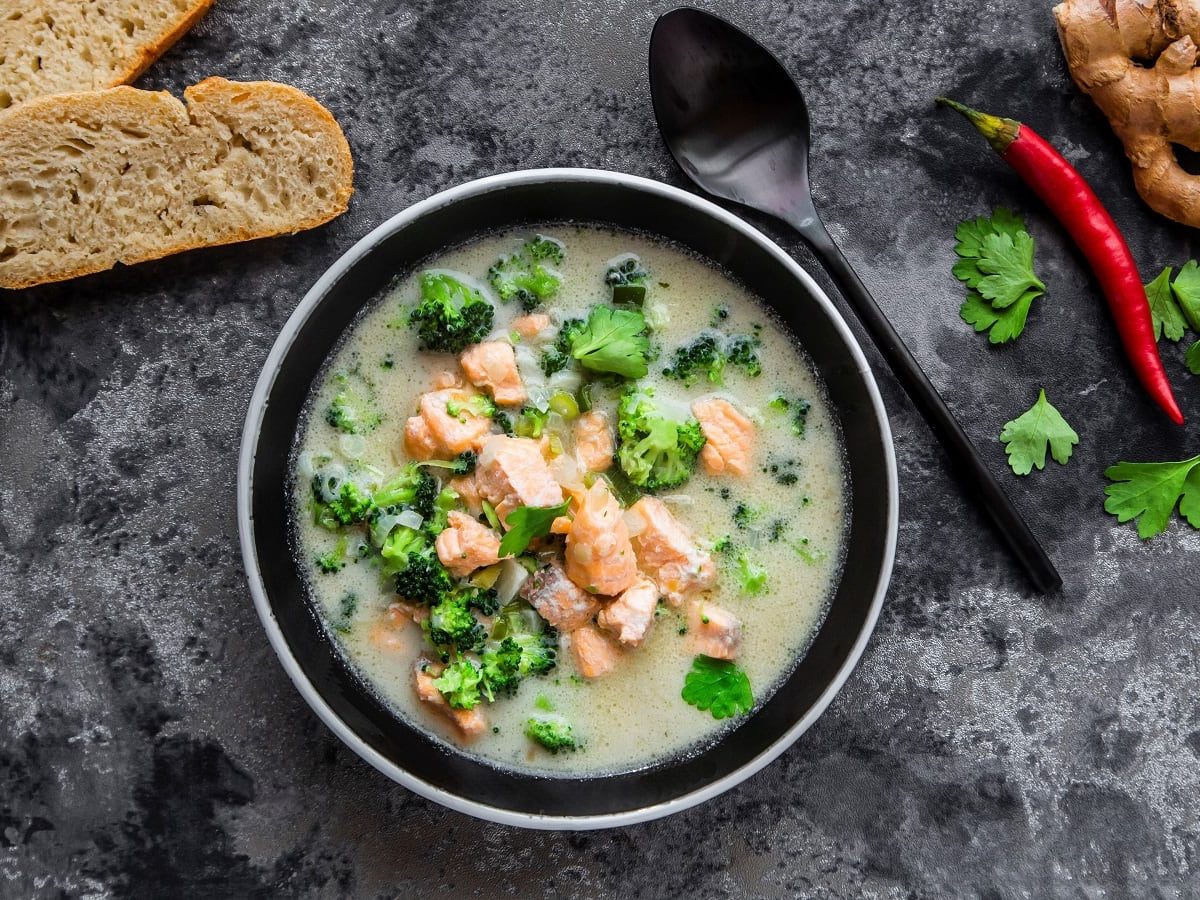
<point x="157" y="103"/>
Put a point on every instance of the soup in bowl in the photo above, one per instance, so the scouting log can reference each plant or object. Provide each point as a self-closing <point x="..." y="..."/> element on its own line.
<point x="567" y="523"/>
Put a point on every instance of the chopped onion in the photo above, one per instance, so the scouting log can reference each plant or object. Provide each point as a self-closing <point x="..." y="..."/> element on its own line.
<point x="569" y="379"/>
<point x="566" y="472"/>
<point x="304" y="467"/>
<point x="410" y="518"/>
<point x="512" y="576"/>
<point x="352" y="446"/>
<point x="382" y="526"/>
<point x="679" y="499"/>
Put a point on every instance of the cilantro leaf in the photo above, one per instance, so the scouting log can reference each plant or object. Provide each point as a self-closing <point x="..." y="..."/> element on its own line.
<point x="718" y="686"/>
<point x="1168" y="320"/>
<point x="970" y="235"/>
<point x="1148" y="492"/>
<point x="526" y="523"/>
<point x="1186" y="288"/>
<point x="1193" y="358"/>
<point x="1008" y="266"/>
<point x="1025" y="437"/>
<point x="1005" y="324"/>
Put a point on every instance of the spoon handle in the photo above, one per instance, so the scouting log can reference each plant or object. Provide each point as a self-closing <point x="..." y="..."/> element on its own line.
<point x="965" y="459"/>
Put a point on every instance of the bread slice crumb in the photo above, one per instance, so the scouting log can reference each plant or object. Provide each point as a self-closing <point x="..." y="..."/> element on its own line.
<point x="54" y="46"/>
<point x="89" y="180"/>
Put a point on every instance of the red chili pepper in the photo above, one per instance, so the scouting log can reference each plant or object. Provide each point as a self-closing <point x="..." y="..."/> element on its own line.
<point x="1093" y="230"/>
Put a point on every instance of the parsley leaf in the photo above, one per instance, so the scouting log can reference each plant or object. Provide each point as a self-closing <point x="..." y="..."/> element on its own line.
<point x="1148" y="492"/>
<point x="526" y="523"/>
<point x="1005" y="324"/>
<point x="718" y="686"/>
<point x="1025" y="437"/>
<point x="1186" y="288"/>
<point x="1193" y="358"/>
<point x="1168" y="320"/>
<point x="996" y="264"/>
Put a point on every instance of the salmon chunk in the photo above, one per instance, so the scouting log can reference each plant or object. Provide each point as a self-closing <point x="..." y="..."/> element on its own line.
<point x="713" y="631"/>
<point x="594" y="652"/>
<point x="419" y="442"/>
<point x="558" y="600"/>
<point x="630" y="616"/>
<point x="668" y="554"/>
<point x="531" y="325"/>
<point x="453" y="434"/>
<point x="492" y="365"/>
<point x="593" y="442"/>
<point x="465" y="545"/>
<point x="729" y="437"/>
<point x="468" y="492"/>
<point x="470" y="722"/>
<point x="512" y="472"/>
<point x="386" y="633"/>
<point x="599" y="554"/>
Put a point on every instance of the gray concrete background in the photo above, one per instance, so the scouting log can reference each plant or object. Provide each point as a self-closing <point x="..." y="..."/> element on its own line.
<point x="992" y="743"/>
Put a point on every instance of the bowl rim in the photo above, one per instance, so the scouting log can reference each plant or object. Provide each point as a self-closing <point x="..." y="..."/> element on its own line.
<point x="252" y="428"/>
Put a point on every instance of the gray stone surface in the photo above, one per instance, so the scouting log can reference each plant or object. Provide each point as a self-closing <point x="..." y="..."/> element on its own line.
<point x="992" y="743"/>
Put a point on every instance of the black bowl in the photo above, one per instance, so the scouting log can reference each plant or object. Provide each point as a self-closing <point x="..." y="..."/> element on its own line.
<point x="406" y="754"/>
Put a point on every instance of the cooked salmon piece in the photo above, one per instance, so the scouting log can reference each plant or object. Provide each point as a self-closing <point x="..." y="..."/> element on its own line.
<point x="593" y="442"/>
<point x="419" y="442"/>
<point x="512" y="472"/>
<point x="446" y="379"/>
<point x="492" y="366"/>
<point x="595" y="653"/>
<point x="465" y="545"/>
<point x="668" y="554"/>
<point x="600" y="558"/>
<point x="470" y="722"/>
<point x="531" y="325"/>
<point x="468" y="492"/>
<point x="558" y="600"/>
<point x="713" y="631"/>
<point x="453" y="434"/>
<point x="728" y="437"/>
<point x="386" y="632"/>
<point x="630" y="616"/>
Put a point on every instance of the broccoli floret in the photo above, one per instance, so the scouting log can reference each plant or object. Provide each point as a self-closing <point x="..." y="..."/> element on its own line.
<point x="742" y="350"/>
<point x="341" y="503"/>
<point x="410" y="557"/>
<point x="436" y="523"/>
<point x="720" y="314"/>
<point x="451" y="315"/>
<point x="459" y="684"/>
<point x="701" y="356"/>
<point x="552" y="731"/>
<point x="655" y="452"/>
<point x="557" y="356"/>
<point x="451" y="623"/>
<point x="482" y="599"/>
<point x="352" y="414"/>
<point x="504" y="422"/>
<point x="522" y="644"/>
<point x="531" y="422"/>
<point x="723" y="545"/>
<point x="412" y="487"/>
<point x="744" y="516"/>
<point x="524" y="277"/>
<point x="613" y="340"/>
<point x="798" y="409"/>
<point x="334" y="560"/>
<point x="625" y="269"/>
<point x="752" y="575"/>
<point x="478" y="405"/>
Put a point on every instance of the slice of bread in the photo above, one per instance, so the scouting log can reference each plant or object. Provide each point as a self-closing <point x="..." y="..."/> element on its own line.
<point x="52" y="46"/>
<point x="93" y="179"/>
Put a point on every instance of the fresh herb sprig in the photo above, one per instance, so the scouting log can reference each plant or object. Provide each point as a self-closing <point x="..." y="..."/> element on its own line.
<point x="1026" y="437"/>
<point x="996" y="264"/>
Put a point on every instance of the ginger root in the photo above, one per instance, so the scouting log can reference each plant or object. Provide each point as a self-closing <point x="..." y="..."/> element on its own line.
<point x="1137" y="60"/>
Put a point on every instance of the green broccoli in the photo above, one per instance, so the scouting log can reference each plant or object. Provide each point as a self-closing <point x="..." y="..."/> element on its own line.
<point x="752" y="575"/>
<point x="742" y="350"/>
<point x="412" y="487"/>
<point x="524" y="277"/>
<point x="703" y="355"/>
<point x="723" y="545"/>
<point x="531" y="422"/>
<point x="557" y="356"/>
<point x="625" y="269"/>
<point x="451" y="314"/>
<point x="482" y="599"/>
<point x="551" y="731"/>
<point x="504" y="422"/>
<point x="613" y="340"/>
<point x="655" y="452"/>
<point x="477" y="405"/>
<point x="350" y="413"/>
<point x="334" y="560"/>
<point x="410" y="557"/>
<point x="338" y="501"/>
<point x="459" y="684"/>
<point x="452" y="624"/>
<point x="744" y="516"/>
<point x="463" y="464"/>
<point x="436" y="523"/>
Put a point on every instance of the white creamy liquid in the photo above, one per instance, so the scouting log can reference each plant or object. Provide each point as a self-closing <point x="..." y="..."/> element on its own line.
<point x="635" y="715"/>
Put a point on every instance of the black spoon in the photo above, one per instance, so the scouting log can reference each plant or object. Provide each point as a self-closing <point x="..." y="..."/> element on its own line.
<point x="736" y="123"/>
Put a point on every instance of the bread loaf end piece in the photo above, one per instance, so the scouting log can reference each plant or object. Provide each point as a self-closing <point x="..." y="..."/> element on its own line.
<point x="89" y="180"/>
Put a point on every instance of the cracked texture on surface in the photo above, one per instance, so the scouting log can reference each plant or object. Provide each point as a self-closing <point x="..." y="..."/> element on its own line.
<point x="992" y="743"/>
